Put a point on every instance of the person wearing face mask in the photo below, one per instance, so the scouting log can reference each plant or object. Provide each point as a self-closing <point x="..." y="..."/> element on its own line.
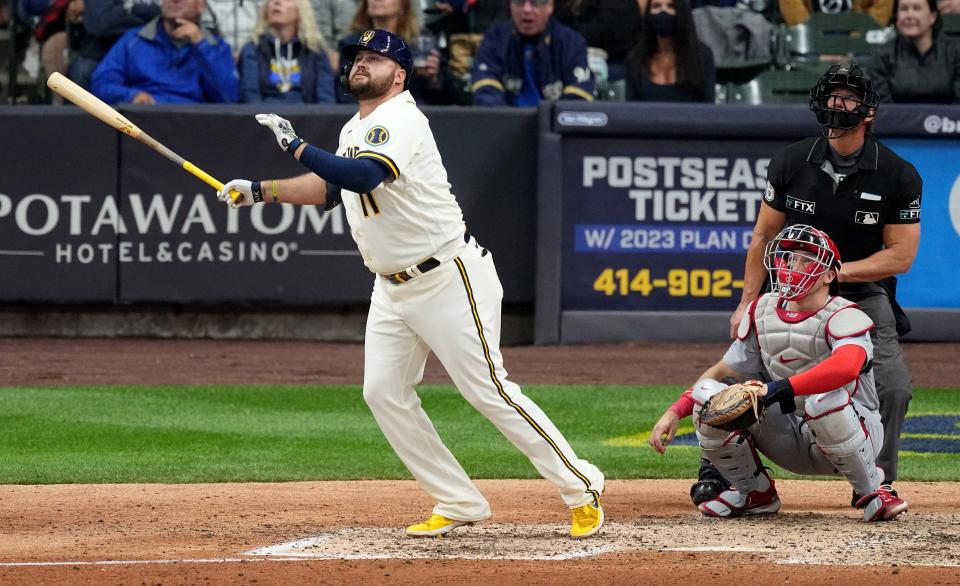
<point x="920" y="65"/>
<point x="669" y="63"/>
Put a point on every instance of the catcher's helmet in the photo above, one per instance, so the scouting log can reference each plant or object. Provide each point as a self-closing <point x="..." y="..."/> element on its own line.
<point x="378" y="41"/>
<point x="797" y="257"/>
<point x="852" y="77"/>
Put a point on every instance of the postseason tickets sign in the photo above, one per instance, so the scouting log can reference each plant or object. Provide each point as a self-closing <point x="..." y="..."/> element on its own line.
<point x="659" y="225"/>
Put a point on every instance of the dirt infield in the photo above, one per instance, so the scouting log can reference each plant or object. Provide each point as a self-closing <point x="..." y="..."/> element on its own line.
<point x="242" y="533"/>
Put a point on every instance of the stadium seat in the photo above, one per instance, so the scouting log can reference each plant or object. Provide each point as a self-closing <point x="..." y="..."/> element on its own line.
<point x="774" y="87"/>
<point x="951" y="25"/>
<point x="826" y="38"/>
<point x="612" y="91"/>
<point x="741" y="71"/>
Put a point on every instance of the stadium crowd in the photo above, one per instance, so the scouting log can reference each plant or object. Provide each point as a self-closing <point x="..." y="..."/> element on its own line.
<point x="482" y="52"/>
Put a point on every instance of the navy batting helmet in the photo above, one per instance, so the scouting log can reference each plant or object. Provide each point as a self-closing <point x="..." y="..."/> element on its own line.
<point x="852" y="77"/>
<point x="382" y="42"/>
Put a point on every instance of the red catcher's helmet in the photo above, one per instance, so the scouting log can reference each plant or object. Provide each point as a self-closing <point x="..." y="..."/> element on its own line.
<point x="797" y="257"/>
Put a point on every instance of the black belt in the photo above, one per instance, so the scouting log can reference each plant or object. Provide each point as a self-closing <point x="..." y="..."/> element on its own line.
<point x="424" y="267"/>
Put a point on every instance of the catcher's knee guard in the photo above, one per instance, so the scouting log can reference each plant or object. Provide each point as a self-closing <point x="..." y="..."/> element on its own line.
<point x="731" y="453"/>
<point x="843" y="438"/>
<point x="706" y="388"/>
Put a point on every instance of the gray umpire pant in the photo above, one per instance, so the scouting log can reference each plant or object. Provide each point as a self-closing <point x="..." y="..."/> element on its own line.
<point x="894" y="383"/>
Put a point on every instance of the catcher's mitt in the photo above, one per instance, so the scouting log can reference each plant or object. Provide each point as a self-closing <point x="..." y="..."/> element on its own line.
<point x="735" y="408"/>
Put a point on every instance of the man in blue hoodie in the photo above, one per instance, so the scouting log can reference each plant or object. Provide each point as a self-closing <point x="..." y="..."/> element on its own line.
<point x="168" y="60"/>
<point x="530" y="58"/>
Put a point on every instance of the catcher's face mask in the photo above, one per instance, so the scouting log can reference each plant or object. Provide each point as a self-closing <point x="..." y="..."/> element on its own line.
<point x="797" y="258"/>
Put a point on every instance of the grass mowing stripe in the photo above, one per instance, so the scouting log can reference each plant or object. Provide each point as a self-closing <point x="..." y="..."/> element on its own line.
<point x="217" y="434"/>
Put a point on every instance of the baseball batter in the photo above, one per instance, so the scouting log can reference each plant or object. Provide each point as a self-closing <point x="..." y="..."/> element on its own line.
<point x="821" y="415"/>
<point x="436" y="288"/>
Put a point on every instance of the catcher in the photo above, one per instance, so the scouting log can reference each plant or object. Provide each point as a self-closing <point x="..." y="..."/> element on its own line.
<point x="817" y="415"/>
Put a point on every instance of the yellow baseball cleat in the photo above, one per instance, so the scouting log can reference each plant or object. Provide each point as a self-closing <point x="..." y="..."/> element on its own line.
<point x="435" y="526"/>
<point x="587" y="520"/>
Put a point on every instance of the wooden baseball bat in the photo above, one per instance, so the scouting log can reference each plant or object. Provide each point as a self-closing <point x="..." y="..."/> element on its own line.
<point x="96" y="107"/>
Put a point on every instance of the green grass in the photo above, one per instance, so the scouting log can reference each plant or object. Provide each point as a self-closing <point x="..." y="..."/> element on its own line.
<point x="220" y="434"/>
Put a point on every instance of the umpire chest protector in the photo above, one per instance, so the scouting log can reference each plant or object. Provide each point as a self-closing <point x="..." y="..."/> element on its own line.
<point x="792" y="342"/>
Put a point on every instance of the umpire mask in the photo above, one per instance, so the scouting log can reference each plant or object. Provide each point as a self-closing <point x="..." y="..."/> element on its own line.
<point x="843" y="112"/>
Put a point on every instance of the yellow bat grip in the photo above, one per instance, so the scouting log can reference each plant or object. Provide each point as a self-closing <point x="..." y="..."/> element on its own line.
<point x="208" y="179"/>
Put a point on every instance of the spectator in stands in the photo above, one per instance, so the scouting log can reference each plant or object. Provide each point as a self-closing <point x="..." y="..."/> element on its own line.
<point x="796" y="11"/>
<point x="287" y="63"/>
<point x="431" y="83"/>
<point x="333" y="20"/>
<point x="669" y="63"/>
<point x="611" y="25"/>
<point x="105" y="21"/>
<point x="919" y="64"/>
<point x="232" y="20"/>
<point x="60" y="30"/>
<point x="168" y="60"/>
<point x="530" y="58"/>
<point x="464" y="22"/>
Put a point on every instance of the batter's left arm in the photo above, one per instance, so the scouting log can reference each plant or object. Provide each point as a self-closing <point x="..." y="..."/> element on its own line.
<point x="900" y="242"/>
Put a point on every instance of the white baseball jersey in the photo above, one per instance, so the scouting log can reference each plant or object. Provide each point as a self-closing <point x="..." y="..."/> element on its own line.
<point x="411" y="215"/>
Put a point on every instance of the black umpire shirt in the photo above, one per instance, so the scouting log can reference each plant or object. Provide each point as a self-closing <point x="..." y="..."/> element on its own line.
<point x="881" y="189"/>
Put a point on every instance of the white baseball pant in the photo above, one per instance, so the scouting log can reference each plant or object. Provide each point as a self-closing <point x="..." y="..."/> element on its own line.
<point x="454" y="310"/>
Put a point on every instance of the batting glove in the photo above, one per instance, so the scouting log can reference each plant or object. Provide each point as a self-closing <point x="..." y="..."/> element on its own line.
<point x="286" y="137"/>
<point x="250" y="193"/>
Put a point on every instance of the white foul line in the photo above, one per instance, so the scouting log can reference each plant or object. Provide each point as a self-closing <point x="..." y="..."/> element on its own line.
<point x="716" y="548"/>
<point x="147" y="562"/>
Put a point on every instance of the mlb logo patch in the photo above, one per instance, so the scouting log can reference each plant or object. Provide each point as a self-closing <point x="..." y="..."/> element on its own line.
<point x="868" y="218"/>
<point x="800" y="205"/>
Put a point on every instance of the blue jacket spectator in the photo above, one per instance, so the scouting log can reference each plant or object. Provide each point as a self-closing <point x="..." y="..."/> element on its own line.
<point x="168" y="60"/>
<point x="530" y="58"/>
<point x="288" y="63"/>
<point x="105" y="21"/>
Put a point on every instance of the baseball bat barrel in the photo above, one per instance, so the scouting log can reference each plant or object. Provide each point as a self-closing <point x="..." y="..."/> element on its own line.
<point x="97" y="108"/>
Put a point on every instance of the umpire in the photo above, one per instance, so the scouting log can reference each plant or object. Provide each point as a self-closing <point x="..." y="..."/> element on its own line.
<point x="868" y="199"/>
